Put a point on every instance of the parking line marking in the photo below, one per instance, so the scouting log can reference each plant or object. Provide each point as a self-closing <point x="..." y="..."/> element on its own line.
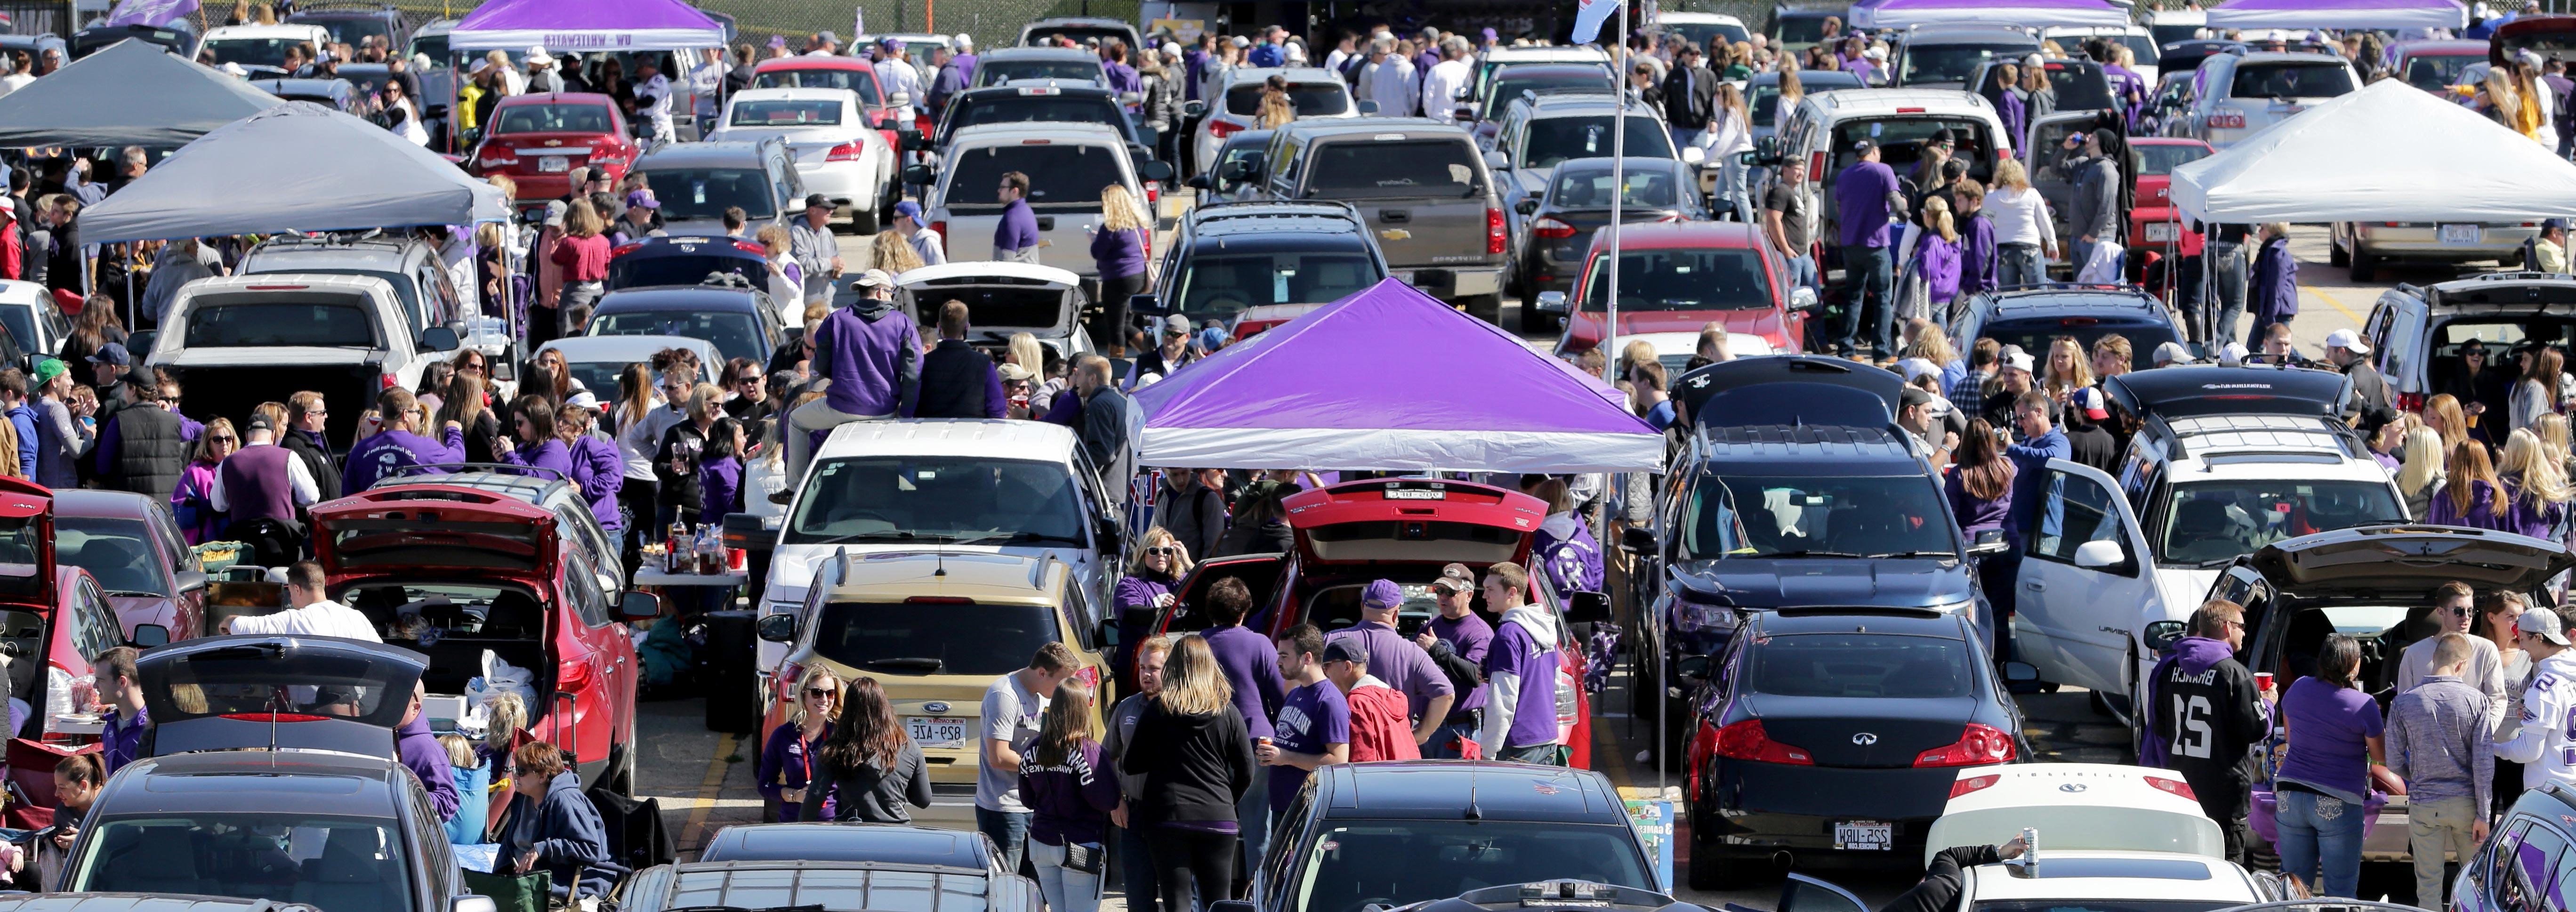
<point x="2338" y="305"/>
<point x="708" y="789"/>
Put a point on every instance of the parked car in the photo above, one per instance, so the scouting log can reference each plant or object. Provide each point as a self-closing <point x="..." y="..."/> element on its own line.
<point x="2032" y="316"/>
<point x="936" y="629"/>
<point x="1676" y="277"/>
<point x="1236" y="172"/>
<point x="28" y="312"/>
<point x="1422" y="185"/>
<point x="467" y="576"/>
<point x="412" y="265"/>
<point x="740" y="321"/>
<point x="260" y="49"/>
<point x="559" y="496"/>
<point x="596" y="361"/>
<point x="1943" y="56"/>
<point x="2364" y="246"/>
<point x="1704" y="30"/>
<point x="1003" y="299"/>
<point x="1390" y="834"/>
<point x="1082" y="29"/>
<point x="2138" y="39"/>
<point x="684" y="260"/>
<point x="1762" y="95"/>
<point x="877" y="843"/>
<point x="273" y="735"/>
<point x="2417" y="334"/>
<point x="355" y="22"/>
<point x="1066" y="163"/>
<point x="2234" y="96"/>
<point x="1490" y="61"/>
<point x="1312" y="92"/>
<point x="1558" y="219"/>
<point x="2434" y="65"/>
<point x="1514" y="82"/>
<point x="35" y="45"/>
<point x="1053" y="103"/>
<point x="1012" y="64"/>
<point x="852" y="74"/>
<point x="1539" y="131"/>
<point x="1255" y="265"/>
<point x="2523" y="858"/>
<point x="536" y="140"/>
<point x="696" y="182"/>
<point x="131" y="546"/>
<point x="837" y="152"/>
<point x="825" y="884"/>
<point x="1832" y="735"/>
<point x="237" y="341"/>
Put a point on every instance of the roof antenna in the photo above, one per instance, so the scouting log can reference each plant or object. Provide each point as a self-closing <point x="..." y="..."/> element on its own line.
<point x="1473" y="812"/>
<point x="940" y="555"/>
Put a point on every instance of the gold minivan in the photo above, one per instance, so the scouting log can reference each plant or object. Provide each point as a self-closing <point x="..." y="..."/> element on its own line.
<point x="936" y="629"/>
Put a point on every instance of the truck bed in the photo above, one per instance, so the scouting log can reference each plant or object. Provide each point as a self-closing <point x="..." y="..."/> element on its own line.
<point x="230" y="392"/>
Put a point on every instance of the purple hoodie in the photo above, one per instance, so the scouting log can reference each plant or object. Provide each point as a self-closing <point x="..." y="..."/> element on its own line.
<point x="602" y="473"/>
<point x="2195" y="654"/>
<point x="391" y="451"/>
<point x="1975" y="514"/>
<point x="548" y="455"/>
<point x="720" y="488"/>
<point x="2538" y="522"/>
<point x="1976" y="259"/>
<point x="1070" y="801"/>
<point x="872" y="353"/>
<point x="1251" y="664"/>
<point x="1566" y="549"/>
<point x="1938" y="259"/>
<point x="2481" y="513"/>
<point x="418" y="749"/>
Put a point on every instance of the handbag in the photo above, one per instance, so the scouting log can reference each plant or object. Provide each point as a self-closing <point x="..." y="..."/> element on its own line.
<point x="1082" y="858"/>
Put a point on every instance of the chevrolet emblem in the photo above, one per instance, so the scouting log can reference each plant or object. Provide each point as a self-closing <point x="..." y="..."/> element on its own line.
<point x="554" y="142"/>
<point x="1394" y="234"/>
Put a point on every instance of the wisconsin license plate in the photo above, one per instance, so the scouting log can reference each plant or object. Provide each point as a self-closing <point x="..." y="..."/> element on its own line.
<point x="2463" y="234"/>
<point x="1864" y="836"/>
<point x="553" y="164"/>
<point x="930" y="731"/>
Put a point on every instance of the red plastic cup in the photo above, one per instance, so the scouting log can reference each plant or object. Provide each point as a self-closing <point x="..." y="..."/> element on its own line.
<point x="734" y="558"/>
<point x="2263" y="680"/>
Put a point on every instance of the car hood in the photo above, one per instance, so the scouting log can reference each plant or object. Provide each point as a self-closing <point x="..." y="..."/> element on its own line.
<point x="791" y="567"/>
<point x="1793" y="582"/>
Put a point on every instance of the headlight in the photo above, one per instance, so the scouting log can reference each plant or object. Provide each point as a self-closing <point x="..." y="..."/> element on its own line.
<point x="1692" y="616"/>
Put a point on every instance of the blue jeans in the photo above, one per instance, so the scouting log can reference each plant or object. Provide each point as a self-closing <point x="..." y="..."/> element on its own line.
<point x="1445" y="741"/>
<point x="1136" y="871"/>
<point x="1536" y="754"/>
<point x="1866" y="277"/>
<point x="2019" y="264"/>
<point x="1065" y="889"/>
<point x="2321" y="841"/>
<point x="1802" y="273"/>
<point x="1252" y="813"/>
<point x="1010" y="832"/>
<point x="2227" y="271"/>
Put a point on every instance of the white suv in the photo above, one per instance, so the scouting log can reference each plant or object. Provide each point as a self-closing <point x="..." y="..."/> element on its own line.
<point x="261" y="48"/>
<point x="1313" y="91"/>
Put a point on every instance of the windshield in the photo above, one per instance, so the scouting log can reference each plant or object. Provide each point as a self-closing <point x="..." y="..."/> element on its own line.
<point x="1951" y="62"/>
<point x="1766" y="95"/>
<point x="1355" y="864"/>
<point x="1511" y="86"/>
<point x="704" y="193"/>
<point x="1590" y="189"/>
<point x="2435" y="72"/>
<point x="1309" y="98"/>
<point x="860" y="81"/>
<point x="1060" y="174"/>
<point x="935" y="500"/>
<point x="996" y="72"/>
<point x="1802" y="29"/>
<point x="1682" y="280"/>
<point x="117" y="551"/>
<point x="1090" y="109"/>
<point x="648" y="271"/>
<point x="341" y="862"/>
<point x="932" y="637"/>
<point x="1370" y="169"/>
<point x="2159" y="160"/>
<point x="2037" y="335"/>
<point x="1870" y="665"/>
<point x="267" y="52"/>
<point x="1556" y="139"/>
<point x="2291" y="80"/>
<point x="238" y="321"/>
<point x="2219" y="521"/>
<point x="1710" y="34"/>
<point x="786" y="112"/>
<point x="1222" y="286"/>
<point x="735" y="335"/>
<point x="553" y="118"/>
<point x="1847" y="516"/>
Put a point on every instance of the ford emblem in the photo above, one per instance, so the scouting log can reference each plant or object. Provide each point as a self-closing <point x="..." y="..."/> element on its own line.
<point x="1865" y="739"/>
<point x="934" y="706"/>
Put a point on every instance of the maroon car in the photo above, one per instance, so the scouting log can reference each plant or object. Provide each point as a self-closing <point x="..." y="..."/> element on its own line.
<point x="130" y="543"/>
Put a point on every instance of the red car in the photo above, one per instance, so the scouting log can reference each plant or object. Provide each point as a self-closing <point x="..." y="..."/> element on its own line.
<point x="852" y="73"/>
<point x="130" y="543"/>
<point x="2153" y="224"/>
<point x="1679" y="276"/>
<point x="461" y="574"/>
<point x="53" y="620"/>
<point x="536" y="140"/>
<point x="1405" y="530"/>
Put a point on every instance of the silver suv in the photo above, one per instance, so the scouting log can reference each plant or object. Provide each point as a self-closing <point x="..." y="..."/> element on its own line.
<point x="423" y="284"/>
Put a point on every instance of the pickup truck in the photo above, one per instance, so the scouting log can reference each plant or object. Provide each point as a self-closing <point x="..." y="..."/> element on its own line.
<point x="237" y="341"/>
<point x="1422" y="187"/>
<point x="1067" y="165"/>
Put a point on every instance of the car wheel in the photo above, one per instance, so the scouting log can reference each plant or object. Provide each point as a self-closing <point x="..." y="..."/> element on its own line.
<point x="2364" y="266"/>
<point x="1488" y="308"/>
<point x="863" y="218"/>
<point x="1709" y="868"/>
<point x="2335" y="255"/>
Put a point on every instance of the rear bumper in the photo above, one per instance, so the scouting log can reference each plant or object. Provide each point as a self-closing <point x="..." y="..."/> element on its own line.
<point x="2424" y="242"/>
<point x="847" y="183"/>
<point x="1450" y="283"/>
<point x="1748" y="809"/>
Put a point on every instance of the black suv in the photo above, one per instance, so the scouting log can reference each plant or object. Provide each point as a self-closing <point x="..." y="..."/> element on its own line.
<point x="1255" y="265"/>
<point x="1794" y="487"/>
<point x="353" y="23"/>
<point x="2031" y="315"/>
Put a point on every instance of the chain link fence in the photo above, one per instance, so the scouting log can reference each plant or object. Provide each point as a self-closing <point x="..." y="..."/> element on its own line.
<point x="992" y="22"/>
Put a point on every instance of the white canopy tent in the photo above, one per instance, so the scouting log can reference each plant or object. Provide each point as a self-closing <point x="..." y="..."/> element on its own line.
<point x="2387" y="152"/>
<point x="2338" y="14"/>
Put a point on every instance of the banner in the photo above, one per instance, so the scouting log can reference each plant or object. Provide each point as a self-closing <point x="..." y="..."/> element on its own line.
<point x="154" y="13"/>
<point x="1653" y="819"/>
<point x="1589" y="16"/>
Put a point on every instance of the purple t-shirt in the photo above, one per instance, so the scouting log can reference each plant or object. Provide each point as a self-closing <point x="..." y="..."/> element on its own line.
<point x="1860" y="203"/>
<point x="1251" y="666"/>
<point x="1310" y="718"/>
<point x="2329" y="728"/>
<point x="1470" y="636"/>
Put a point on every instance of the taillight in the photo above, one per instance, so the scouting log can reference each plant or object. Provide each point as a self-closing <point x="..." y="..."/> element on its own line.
<point x="1551" y="228"/>
<point x="1567" y="686"/>
<point x="750" y="248"/>
<point x="2174" y="787"/>
<point x="1816" y="166"/>
<point x="63" y="695"/>
<point x="497" y="162"/>
<point x="1979" y="745"/>
<point x="624" y="249"/>
<point x="940" y="226"/>
<point x="2410" y="402"/>
<point x="2227" y="120"/>
<point x="1747" y="741"/>
<point x="846" y="152"/>
<point x="788" y="675"/>
<point x="1973" y="783"/>
<point x="1494" y="233"/>
<point x="1222" y="129"/>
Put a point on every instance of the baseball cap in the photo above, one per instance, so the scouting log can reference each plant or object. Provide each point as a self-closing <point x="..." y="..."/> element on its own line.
<point x="2172" y="353"/>
<point x="1491" y="35"/>
<point x="1242" y="42"/>
<point x="1874" y="54"/>
<point x="2347" y="339"/>
<point x="258" y="423"/>
<point x="2232" y="355"/>
<point x="112" y="353"/>
<point x="1013" y="373"/>
<point x="48" y="369"/>
<point x="1176" y="324"/>
<point x="1456" y="578"/>
<point x="829" y="38"/>
<point x="1914" y="397"/>
<point x="641" y="199"/>
<point x="2015" y="358"/>
<point x="2542" y="622"/>
<point x="1915" y="368"/>
<point x="1382" y="594"/>
<point x="1345" y="649"/>
<point x="2555" y="224"/>
<point x="874" y="278"/>
<point x="1863" y="145"/>
<point x="908" y="209"/>
<point x="813" y="200"/>
<point x="555" y="211"/>
<point x="2089" y="401"/>
<point x="582" y="400"/>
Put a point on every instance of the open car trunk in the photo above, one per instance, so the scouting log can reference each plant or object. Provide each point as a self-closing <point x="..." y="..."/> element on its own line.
<point x="1790" y="389"/>
<point x="466" y="629"/>
<point x="272" y="692"/>
<point x="215" y="391"/>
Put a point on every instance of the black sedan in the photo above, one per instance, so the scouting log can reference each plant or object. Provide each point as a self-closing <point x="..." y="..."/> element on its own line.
<point x="1832" y="735"/>
<point x="1559" y="226"/>
<point x="883" y="843"/>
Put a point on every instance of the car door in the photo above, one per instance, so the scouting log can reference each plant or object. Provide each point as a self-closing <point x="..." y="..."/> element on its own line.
<point x="1802" y="893"/>
<point x="2085" y="571"/>
<point x="2396" y="331"/>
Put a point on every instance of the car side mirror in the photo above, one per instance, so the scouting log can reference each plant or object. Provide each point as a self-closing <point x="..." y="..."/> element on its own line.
<point x="147" y="636"/>
<point x="1494" y="159"/>
<point x="2097" y="555"/>
<point x="1586" y="607"/>
<point x="639" y="606"/>
<point x="1802" y="299"/>
<point x="1155" y="171"/>
<point x="1551" y="302"/>
<point x="439" y="339"/>
<point x="1526" y="206"/>
<point x="2026" y="673"/>
<point x="1198" y="182"/>
<point x="918" y="174"/>
<point x="1367" y="107"/>
<point x="191" y="581"/>
<point x="2162" y="635"/>
<point x="1107" y="635"/>
<point x="916" y="142"/>
<point x="777" y="628"/>
<point x="1766" y="151"/>
<point x="470" y="903"/>
<point x="1145" y="305"/>
<point x="1637" y="540"/>
<point x="1193" y="108"/>
<point x="1107" y="528"/>
<point x="1694" y="667"/>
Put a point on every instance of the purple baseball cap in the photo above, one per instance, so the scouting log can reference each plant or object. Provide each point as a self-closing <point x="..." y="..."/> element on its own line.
<point x="1382" y="594"/>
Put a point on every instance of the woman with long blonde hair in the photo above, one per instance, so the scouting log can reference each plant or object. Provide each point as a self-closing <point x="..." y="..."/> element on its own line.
<point x="2067" y="370"/>
<point x="463" y="406"/>
<point x="2024" y="236"/>
<point x="2552" y="431"/>
<point x="1936" y="255"/>
<point x="891" y="252"/>
<point x="1191" y="746"/>
<point x="2442" y="414"/>
<point x="1932" y="343"/>
<point x="1118" y="249"/>
<point x="2538" y="484"/>
<point x="1792" y="91"/>
<point x="787" y="758"/>
<point x="1276" y="111"/>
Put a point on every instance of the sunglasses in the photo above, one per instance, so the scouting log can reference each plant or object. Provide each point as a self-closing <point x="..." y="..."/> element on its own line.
<point x="821" y="693"/>
<point x="1162" y="551"/>
<point x="221" y="438"/>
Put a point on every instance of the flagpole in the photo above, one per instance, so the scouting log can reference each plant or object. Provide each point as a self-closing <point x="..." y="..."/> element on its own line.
<point x="1618" y="184"/>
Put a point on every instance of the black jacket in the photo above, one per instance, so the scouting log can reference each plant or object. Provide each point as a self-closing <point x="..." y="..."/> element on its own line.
<point x="958" y="382"/>
<point x="317" y="460"/>
<point x="675" y="465"/>
<point x="1256" y="538"/>
<point x="869" y="794"/>
<point x="1941" y="885"/>
<point x="1195" y="767"/>
<point x="2092" y="445"/>
<point x="150" y="452"/>
<point x="1690" y="93"/>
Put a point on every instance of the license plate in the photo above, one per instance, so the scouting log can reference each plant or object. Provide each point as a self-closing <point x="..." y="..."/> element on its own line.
<point x="929" y="731"/>
<point x="2160" y="231"/>
<point x="553" y="164"/>
<point x="1864" y="836"/>
<point x="2463" y="234"/>
<point x="1402" y="275"/>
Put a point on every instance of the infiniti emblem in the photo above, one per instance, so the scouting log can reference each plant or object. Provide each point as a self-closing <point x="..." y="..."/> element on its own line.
<point x="934" y="706"/>
<point x="2071" y="787"/>
<point x="1864" y="739"/>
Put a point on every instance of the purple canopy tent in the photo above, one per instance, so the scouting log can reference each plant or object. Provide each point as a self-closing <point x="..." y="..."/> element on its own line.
<point x="586" y="25"/>
<point x="1389" y="379"/>
<point x="2338" y="14"/>
<point x="1899" y="14"/>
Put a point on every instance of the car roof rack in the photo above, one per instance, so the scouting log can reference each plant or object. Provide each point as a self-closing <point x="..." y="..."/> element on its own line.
<point x="1251" y="209"/>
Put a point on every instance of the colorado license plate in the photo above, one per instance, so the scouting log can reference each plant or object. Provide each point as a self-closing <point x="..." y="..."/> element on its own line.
<point x="2462" y="234"/>
<point x="929" y="731"/>
<point x="553" y="164"/>
<point x="1864" y="836"/>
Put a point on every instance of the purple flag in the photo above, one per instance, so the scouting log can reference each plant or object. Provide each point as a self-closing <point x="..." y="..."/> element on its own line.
<point x="154" y="13"/>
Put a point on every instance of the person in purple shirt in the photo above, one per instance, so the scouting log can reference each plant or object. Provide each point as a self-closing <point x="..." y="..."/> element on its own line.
<point x="1520" y="709"/>
<point x="1866" y="197"/>
<point x="1400" y="662"/>
<point x="1976" y="237"/>
<point x="2274" y="290"/>
<point x="871" y="353"/>
<point x="121" y="736"/>
<point x="2326" y="771"/>
<point x="540" y="446"/>
<point x="418" y="749"/>
<point x="1457" y="640"/>
<point x="1314" y="726"/>
<point x="399" y="445"/>
<point x="1015" y="236"/>
<point x="1122" y="74"/>
<point x="596" y="465"/>
<point x="1070" y="790"/>
<point x="1251" y="666"/>
<point x="787" y="758"/>
<point x="1936" y="252"/>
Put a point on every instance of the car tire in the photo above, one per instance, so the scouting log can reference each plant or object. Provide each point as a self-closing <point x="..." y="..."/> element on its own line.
<point x="2365" y="267"/>
<point x="2335" y="255"/>
<point x="863" y="219"/>
<point x="1488" y="308"/>
<point x="2100" y="705"/>
<point x="1710" y="869"/>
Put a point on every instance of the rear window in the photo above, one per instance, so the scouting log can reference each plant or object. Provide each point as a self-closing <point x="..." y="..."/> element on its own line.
<point x="351" y="31"/>
<point x="1591" y="189"/>
<point x="1710" y="34"/>
<point x="786" y="112"/>
<point x="2433" y="73"/>
<point x="2291" y="80"/>
<point x="1766" y="96"/>
<point x="1555" y="139"/>
<point x="1090" y="109"/>
<point x="932" y="637"/>
<point x="860" y="81"/>
<point x="2035" y="335"/>
<point x="2158" y="160"/>
<point x="1872" y="665"/>
<point x="1683" y="280"/>
<point x="1952" y="62"/>
<point x="1366" y="169"/>
<point x="1003" y="306"/>
<point x="735" y="335"/>
<point x="256" y="678"/>
<point x="648" y="271"/>
<point x="1222" y="286"/>
<point x="1802" y="29"/>
<point x="1309" y="98"/>
<point x="553" y="118"/>
<point x="1080" y="34"/>
<point x="244" y="320"/>
<point x="928" y="501"/>
<point x="2080" y="88"/>
<point x="1060" y="174"/>
<point x="1511" y="86"/>
<point x="996" y="72"/>
<point x="705" y="193"/>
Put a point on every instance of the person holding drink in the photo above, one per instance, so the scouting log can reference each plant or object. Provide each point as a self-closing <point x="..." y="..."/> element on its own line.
<point x="2206" y="714"/>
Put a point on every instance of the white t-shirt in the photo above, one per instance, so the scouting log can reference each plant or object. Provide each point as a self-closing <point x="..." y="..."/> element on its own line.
<point x="323" y="618"/>
<point x="1440" y="88"/>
